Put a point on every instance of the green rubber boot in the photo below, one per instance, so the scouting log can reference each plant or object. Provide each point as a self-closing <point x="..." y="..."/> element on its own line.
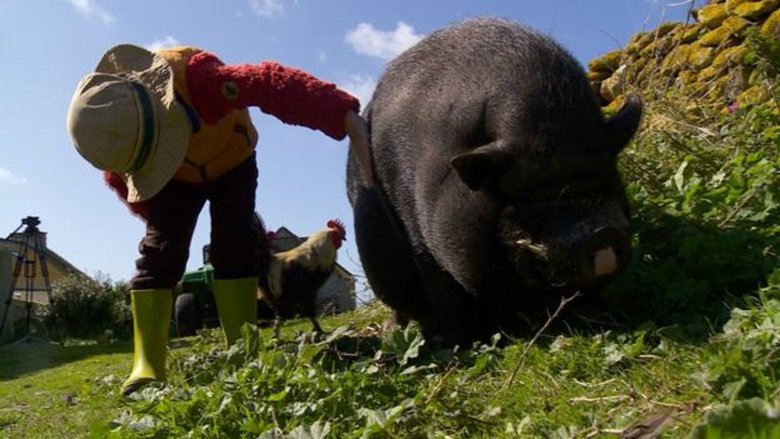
<point x="236" y="304"/>
<point x="151" y="319"/>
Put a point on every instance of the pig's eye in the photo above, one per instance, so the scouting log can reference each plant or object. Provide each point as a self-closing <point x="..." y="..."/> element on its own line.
<point x="581" y="188"/>
<point x="544" y="191"/>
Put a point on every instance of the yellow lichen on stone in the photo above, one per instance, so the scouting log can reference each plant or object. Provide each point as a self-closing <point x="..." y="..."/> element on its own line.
<point x="686" y="77"/>
<point x="700" y="57"/>
<point x="676" y="60"/>
<point x="635" y="68"/>
<point x="731" y="5"/>
<point x="665" y="28"/>
<point x="715" y="37"/>
<point x="736" y="24"/>
<point x="637" y="42"/>
<point x="598" y="76"/>
<point x="606" y="63"/>
<point x="613" y="106"/>
<point x="704" y="64"/>
<point x="695" y="88"/>
<point x="712" y="15"/>
<point x="718" y="88"/>
<point x="659" y="47"/>
<point x="752" y="95"/>
<point x="611" y="88"/>
<point x="771" y="27"/>
<point x="707" y="74"/>
<point x="690" y="33"/>
<point x="756" y="10"/>
<point x="733" y="56"/>
<point x="649" y="50"/>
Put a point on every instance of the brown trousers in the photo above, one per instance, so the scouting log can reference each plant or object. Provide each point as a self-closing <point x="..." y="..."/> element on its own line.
<point x="234" y="251"/>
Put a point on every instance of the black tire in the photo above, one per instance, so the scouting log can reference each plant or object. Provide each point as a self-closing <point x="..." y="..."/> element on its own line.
<point x="187" y="315"/>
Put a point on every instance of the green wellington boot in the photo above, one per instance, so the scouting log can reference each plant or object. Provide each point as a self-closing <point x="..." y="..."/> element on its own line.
<point x="236" y="304"/>
<point x="151" y="320"/>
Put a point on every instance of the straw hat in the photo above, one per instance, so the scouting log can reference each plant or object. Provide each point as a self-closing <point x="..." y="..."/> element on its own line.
<point x="124" y="119"/>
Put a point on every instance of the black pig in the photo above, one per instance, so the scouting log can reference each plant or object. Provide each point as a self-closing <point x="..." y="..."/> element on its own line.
<point x="498" y="190"/>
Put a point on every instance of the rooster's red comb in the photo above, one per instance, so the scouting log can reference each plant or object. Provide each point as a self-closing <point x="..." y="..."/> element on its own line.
<point x="338" y="225"/>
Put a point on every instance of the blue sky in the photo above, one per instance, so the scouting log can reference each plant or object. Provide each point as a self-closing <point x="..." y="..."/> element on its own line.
<point x="48" y="45"/>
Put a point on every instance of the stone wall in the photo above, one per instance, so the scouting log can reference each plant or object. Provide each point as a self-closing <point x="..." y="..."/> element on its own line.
<point x="703" y="62"/>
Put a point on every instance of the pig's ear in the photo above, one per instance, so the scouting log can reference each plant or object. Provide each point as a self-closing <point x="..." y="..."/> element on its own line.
<point x="622" y="126"/>
<point x="477" y="167"/>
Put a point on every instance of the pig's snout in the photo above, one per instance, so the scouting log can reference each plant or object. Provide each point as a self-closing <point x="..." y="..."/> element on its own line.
<point x="605" y="262"/>
<point x="579" y="259"/>
<point x="579" y="256"/>
<point x="609" y="249"/>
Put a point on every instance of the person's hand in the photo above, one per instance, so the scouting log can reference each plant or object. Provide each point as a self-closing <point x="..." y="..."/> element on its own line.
<point x="357" y="130"/>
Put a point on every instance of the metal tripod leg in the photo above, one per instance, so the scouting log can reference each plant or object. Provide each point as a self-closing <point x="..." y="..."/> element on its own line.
<point x="30" y="234"/>
<point x="10" y="296"/>
<point x="29" y="279"/>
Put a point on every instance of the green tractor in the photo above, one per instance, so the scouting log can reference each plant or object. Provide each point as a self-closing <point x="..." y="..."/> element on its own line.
<point x="195" y="308"/>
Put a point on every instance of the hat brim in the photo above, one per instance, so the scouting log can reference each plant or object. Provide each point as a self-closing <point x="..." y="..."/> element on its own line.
<point x="173" y="130"/>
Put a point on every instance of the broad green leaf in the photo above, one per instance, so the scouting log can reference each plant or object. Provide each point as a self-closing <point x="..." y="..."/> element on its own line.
<point x="753" y="418"/>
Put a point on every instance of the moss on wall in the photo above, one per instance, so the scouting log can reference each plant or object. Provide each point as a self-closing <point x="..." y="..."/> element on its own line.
<point x="756" y="10"/>
<point x="701" y="63"/>
<point x="712" y="15"/>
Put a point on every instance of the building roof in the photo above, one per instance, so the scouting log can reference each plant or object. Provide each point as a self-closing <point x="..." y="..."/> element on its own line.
<point x="30" y="278"/>
<point x="52" y="257"/>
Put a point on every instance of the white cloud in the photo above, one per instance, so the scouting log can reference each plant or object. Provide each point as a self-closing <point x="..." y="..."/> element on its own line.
<point x="360" y="86"/>
<point x="9" y="177"/>
<point x="90" y="9"/>
<point x="267" y="8"/>
<point x="368" y="40"/>
<point x="166" y="42"/>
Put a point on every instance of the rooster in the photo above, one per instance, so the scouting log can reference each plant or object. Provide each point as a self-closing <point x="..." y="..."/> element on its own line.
<point x="293" y="277"/>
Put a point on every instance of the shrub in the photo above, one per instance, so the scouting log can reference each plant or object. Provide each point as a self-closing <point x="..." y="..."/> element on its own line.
<point x="83" y="307"/>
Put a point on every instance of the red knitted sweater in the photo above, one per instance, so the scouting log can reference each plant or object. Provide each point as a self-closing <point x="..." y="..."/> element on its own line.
<point x="292" y="95"/>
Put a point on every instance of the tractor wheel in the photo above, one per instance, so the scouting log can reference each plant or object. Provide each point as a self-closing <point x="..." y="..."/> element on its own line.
<point x="187" y="315"/>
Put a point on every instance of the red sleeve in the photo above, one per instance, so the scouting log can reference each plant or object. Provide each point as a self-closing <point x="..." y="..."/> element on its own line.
<point x="292" y="95"/>
<point x="117" y="184"/>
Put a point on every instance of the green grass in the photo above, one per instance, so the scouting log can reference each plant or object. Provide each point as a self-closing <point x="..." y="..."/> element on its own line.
<point x="54" y="391"/>
<point x="361" y="380"/>
<point x="567" y="385"/>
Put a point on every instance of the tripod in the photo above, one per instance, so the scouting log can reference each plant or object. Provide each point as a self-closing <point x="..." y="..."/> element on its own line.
<point x="30" y="254"/>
